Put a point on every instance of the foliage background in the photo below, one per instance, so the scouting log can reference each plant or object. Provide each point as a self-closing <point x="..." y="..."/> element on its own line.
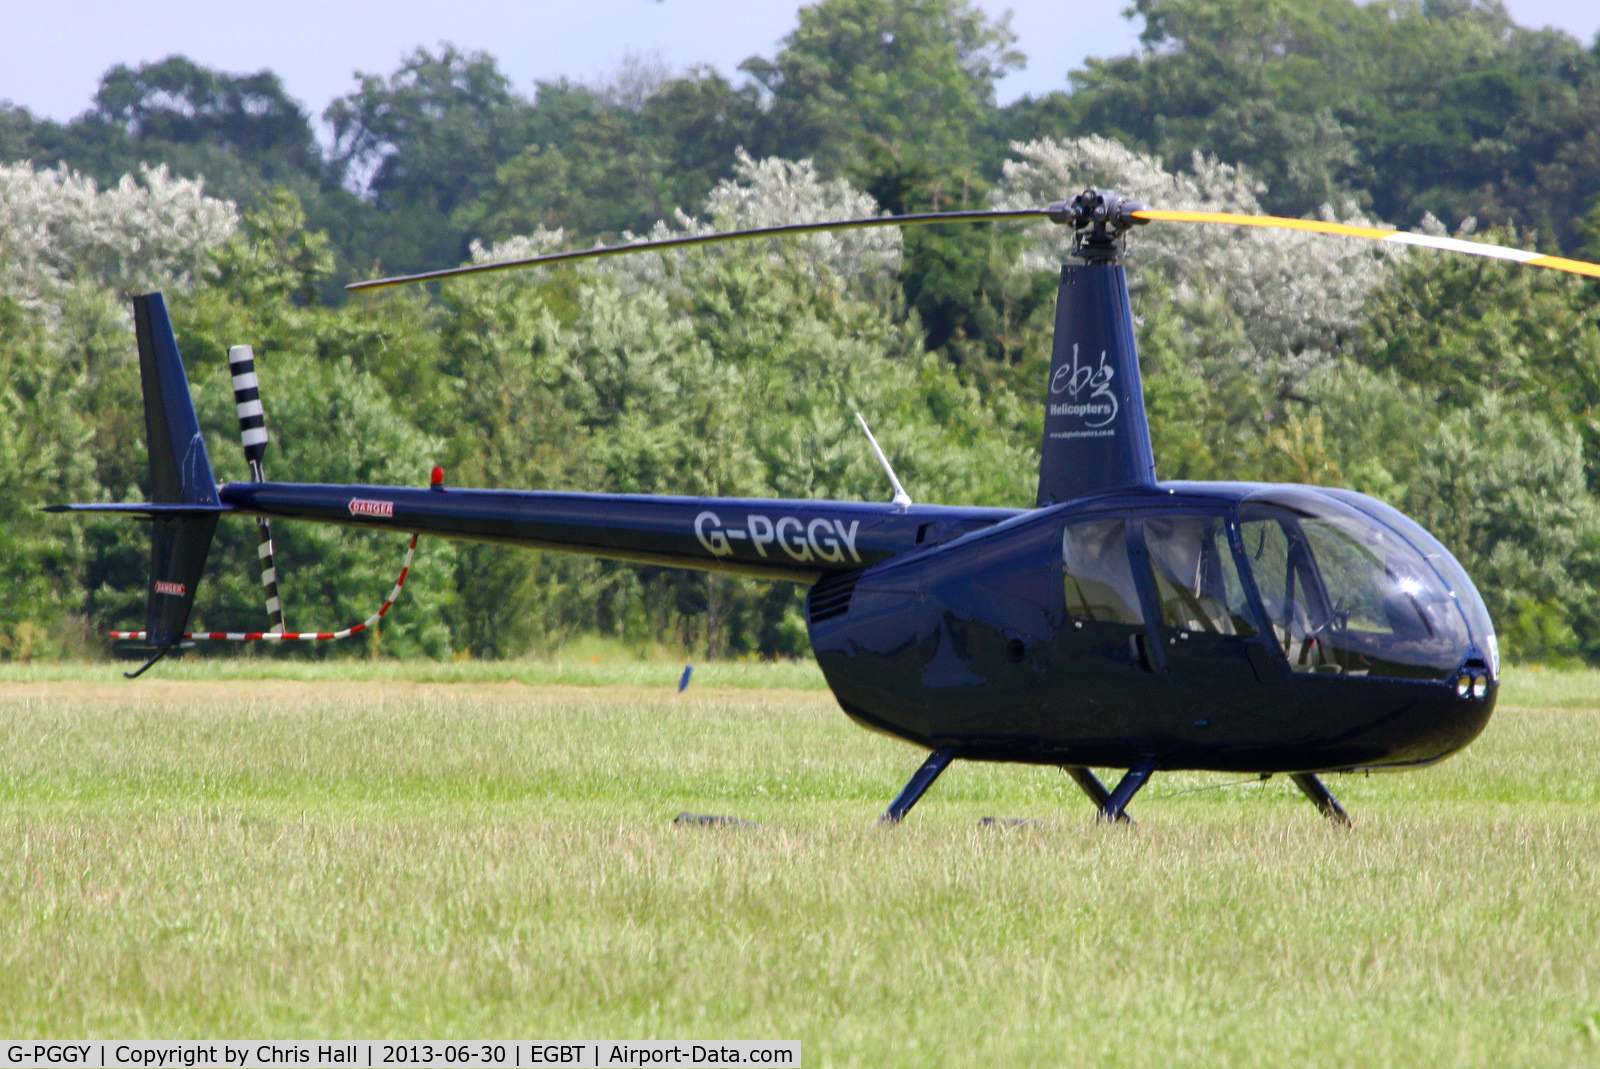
<point x="1461" y="391"/>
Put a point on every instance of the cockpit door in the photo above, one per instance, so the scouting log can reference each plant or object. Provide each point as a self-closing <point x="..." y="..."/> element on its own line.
<point x="1225" y="677"/>
<point x="1105" y="678"/>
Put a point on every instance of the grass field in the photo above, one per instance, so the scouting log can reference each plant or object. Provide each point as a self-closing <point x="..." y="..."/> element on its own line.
<point x="435" y="852"/>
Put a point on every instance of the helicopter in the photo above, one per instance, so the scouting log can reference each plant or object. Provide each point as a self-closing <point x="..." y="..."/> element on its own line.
<point x="1121" y="623"/>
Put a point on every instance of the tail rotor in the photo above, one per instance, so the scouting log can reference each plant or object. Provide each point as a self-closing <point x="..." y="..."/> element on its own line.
<point x="253" y="435"/>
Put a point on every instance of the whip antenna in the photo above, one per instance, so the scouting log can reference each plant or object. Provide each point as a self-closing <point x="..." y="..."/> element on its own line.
<point x="901" y="498"/>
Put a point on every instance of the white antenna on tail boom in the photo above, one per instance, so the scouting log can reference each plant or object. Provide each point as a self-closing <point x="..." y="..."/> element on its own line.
<point x="901" y="498"/>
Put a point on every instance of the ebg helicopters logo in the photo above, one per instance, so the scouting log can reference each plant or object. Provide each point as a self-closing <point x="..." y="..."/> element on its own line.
<point x="1096" y="410"/>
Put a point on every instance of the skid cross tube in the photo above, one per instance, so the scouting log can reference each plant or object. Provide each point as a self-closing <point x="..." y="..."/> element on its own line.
<point x="1116" y="806"/>
<point x="1091" y="785"/>
<point x="917" y="785"/>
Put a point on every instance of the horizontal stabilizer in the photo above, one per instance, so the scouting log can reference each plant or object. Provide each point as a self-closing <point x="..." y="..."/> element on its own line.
<point x="145" y="508"/>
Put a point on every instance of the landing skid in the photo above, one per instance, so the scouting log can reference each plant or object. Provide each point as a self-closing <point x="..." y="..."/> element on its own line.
<point x="1323" y="798"/>
<point x="917" y="785"/>
<point x="1112" y="805"/>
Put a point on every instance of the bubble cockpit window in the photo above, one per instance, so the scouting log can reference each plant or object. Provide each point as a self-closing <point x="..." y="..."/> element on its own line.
<point x="1345" y="595"/>
<point x="1454" y="575"/>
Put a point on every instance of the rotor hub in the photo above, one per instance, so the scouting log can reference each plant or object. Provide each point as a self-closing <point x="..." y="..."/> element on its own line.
<point x="1100" y="219"/>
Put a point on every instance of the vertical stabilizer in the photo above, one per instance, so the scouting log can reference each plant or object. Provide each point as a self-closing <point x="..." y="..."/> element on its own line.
<point x="1096" y="434"/>
<point x="180" y="467"/>
<point x="180" y="474"/>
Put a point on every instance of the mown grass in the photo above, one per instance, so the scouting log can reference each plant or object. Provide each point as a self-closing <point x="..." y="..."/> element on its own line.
<point x="395" y="856"/>
<point x="619" y="670"/>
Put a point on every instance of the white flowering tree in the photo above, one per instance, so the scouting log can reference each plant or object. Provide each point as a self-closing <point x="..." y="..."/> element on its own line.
<point x="57" y="228"/>
<point x="761" y="193"/>
<point x="70" y="423"/>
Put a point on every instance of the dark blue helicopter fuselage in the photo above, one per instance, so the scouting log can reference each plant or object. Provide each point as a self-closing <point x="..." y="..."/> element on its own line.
<point x="951" y="627"/>
<point x="1120" y="623"/>
<point x="972" y="644"/>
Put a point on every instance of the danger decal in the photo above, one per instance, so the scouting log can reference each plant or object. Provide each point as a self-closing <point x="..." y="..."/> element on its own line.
<point x="361" y="506"/>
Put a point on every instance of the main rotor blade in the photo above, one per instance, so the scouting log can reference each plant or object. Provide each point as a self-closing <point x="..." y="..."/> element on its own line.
<point x="1398" y="237"/>
<point x="923" y="219"/>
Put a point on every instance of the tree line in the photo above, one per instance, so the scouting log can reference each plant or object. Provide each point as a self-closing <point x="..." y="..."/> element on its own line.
<point x="1461" y="391"/>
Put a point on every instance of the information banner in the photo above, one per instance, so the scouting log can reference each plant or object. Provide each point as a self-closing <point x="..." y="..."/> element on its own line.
<point x="395" y="1054"/>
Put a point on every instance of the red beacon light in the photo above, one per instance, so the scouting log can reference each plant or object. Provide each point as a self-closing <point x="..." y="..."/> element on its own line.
<point x="437" y="482"/>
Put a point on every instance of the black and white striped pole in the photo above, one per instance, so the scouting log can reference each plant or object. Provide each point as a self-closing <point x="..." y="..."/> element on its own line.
<point x="253" y="433"/>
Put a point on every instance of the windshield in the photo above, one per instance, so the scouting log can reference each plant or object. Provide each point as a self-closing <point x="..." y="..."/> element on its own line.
<point x="1455" y="576"/>
<point x="1346" y="595"/>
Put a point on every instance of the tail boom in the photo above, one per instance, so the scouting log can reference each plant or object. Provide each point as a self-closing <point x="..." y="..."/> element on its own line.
<point x="798" y="541"/>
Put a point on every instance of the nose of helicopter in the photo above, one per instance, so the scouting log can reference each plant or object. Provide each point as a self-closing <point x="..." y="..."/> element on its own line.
<point x="1472" y="701"/>
<point x="1389" y="723"/>
<point x="1432" y="727"/>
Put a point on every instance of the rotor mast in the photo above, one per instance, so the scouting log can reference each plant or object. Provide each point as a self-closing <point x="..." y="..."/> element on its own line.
<point x="1096" y="433"/>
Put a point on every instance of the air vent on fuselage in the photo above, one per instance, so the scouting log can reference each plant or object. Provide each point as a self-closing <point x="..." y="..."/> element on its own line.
<point x="830" y="596"/>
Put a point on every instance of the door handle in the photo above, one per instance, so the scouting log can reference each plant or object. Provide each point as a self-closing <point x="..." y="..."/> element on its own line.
<point x="1140" y="644"/>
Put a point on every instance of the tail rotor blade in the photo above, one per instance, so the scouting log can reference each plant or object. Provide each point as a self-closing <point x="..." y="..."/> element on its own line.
<point x="247" y="400"/>
<point x="269" y="575"/>
<point x="253" y="434"/>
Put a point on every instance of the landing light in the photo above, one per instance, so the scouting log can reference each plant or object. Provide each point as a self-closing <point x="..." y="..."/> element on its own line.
<point x="1463" y="686"/>
<point x="1480" y="686"/>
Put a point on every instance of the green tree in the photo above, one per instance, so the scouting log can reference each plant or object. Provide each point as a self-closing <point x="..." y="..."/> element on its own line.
<point x="422" y="143"/>
<point x="332" y="417"/>
<point x="45" y="458"/>
<point x="1505" y="490"/>
<point x="905" y="77"/>
<point x="1410" y="106"/>
<point x="1265" y="83"/>
<point x="1463" y="328"/>
<point x="898" y="95"/>
<point x="618" y="157"/>
<point x="642" y="375"/>
<point x="241" y="132"/>
<point x="180" y="102"/>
